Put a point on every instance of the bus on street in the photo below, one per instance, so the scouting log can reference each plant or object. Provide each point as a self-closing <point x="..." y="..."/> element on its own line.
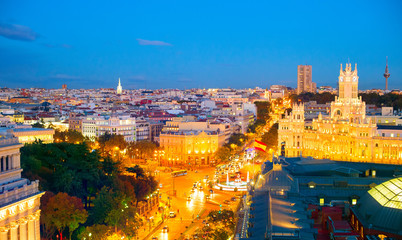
<point x="179" y="173"/>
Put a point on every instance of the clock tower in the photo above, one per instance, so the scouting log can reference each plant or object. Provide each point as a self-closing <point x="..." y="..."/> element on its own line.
<point x="347" y="104"/>
<point x="348" y="82"/>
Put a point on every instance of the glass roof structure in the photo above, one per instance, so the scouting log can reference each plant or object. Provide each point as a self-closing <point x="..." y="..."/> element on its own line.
<point x="388" y="194"/>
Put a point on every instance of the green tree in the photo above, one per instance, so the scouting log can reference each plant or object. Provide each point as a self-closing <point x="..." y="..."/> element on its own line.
<point x="258" y="124"/>
<point x="224" y="218"/>
<point x="64" y="167"/>
<point x="223" y="154"/>
<point x="238" y="139"/>
<point x="69" y="136"/>
<point x="40" y="124"/>
<point x="95" y="232"/>
<point x="141" y="149"/>
<point x="144" y="186"/>
<point x="48" y="229"/>
<point x="220" y="234"/>
<point x="139" y="172"/>
<point x="111" y="144"/>
<point x="263" y="110"/>
<point x="112" y="208"/>
<point x="64" y="212"/>
<point x="271" y="137"/>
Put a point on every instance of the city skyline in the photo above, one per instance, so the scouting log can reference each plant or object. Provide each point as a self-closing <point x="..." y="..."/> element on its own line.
<point x="188" y="45"/>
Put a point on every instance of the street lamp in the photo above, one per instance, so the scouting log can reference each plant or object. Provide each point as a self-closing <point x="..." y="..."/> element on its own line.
<point x="158" y="154"/>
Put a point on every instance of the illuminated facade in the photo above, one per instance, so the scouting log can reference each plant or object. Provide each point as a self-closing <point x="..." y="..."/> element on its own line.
<point x="347" y="134"/>
<point x="95" y="126"/>
<point x="119" y="89"/>
<point x="191" y="147"/>
<point x="30" y="135"/>
<point x="304" y="82"/>
<point x="19" y="197"/>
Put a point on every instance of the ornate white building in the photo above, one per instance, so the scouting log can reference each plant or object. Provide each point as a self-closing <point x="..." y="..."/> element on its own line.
<point x="19" y="198"/>
<point x="346" y="134"/>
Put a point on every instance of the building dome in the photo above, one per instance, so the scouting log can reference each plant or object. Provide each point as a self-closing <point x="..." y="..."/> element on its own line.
<point x="388" y="194"/>
<point x="381" y="207"/>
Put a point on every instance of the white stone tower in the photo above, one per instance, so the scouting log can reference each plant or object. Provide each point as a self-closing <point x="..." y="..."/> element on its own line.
<point x="119" y="88"/>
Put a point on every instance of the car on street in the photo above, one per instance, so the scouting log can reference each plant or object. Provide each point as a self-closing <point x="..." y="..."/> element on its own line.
<point x="188" y="199"/>
<point x="233" y="199"/>
<point x="226" y="202"/>
<point x="172" y="214"/>
<point x="201" y="187"/>
<point x="208" y="197"/>
<point x="211" y="191"/>
<point x="165" y="229"/>
<point x="154" y="238"/>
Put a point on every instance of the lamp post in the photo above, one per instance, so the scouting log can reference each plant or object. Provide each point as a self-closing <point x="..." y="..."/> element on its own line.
<point x="158" y="154"/>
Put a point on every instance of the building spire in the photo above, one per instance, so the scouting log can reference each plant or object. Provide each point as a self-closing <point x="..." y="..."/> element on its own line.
<point x="119" y="88"/>
<point x="386" y="75"/>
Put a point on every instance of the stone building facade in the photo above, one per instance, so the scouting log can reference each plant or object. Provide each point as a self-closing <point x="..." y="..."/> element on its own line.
<point x="346" y="134"/>
<point x="19" y="197"/>
<point x="191" y="148"/>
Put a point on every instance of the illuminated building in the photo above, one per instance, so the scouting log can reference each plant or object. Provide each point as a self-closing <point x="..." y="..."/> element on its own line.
<point x="142" y="129"/>
<point x="119" y="89"/>
<point x="304" y="82"/>
<point x="222" y="125"/>
<point x="19" y="197"/>
<point x="380" y="211"/>
<point x="191" y="147"/>
<point x="29" y="134"/>
<point x="74" y="122"/>
<point x="347" y="134"/>
<point x="95" y="126"/>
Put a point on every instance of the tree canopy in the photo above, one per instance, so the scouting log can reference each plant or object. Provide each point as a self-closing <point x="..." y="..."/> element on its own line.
<point x="271" y="137"/>
<point x="263" y="110"/>
<point x="63" y="211"/>
<point x="77" y="171"/>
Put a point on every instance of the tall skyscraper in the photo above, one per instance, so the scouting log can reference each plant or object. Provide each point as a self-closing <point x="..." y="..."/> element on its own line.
<point x="119" y="88"/>
<point x="304" y="82"/>
<point x="386" y="75"/>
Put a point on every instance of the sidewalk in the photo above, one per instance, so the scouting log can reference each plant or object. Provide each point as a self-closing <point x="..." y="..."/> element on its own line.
<point x="152" y="221"/>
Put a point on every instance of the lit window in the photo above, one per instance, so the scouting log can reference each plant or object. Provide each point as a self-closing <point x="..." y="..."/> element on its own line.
<point x="321" y="201"/>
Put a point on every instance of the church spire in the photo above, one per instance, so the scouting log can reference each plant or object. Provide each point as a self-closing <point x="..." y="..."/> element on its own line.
<point x="119" y="89"/>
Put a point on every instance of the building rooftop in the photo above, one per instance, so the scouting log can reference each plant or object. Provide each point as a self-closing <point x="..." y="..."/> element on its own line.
<point x="381" y="207"/>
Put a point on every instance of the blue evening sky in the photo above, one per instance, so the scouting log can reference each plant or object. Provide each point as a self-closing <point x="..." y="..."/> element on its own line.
<point x="202" y="44"/>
